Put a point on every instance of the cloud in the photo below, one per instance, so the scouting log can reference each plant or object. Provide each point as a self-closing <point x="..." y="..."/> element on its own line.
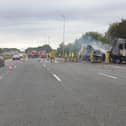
<point x="34" y="20"/>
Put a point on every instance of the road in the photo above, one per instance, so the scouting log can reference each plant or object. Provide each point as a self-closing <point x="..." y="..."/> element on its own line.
<point x="34" y="93"/>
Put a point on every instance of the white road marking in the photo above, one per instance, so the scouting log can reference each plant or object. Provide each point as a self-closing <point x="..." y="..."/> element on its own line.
<point x="53" y="74"/>
<point x="44" y="65"/>
<point x="10" y="67"/>
<point x="107" y="75"/>
<point x="120" y="67"/>
<point x="117" y="67"/>
<point x="122" y="76"/>
<point x="57" y="78"/>
<point x="56" y="61"/>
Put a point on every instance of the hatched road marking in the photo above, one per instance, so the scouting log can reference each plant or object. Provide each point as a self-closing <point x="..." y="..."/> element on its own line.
<point x="107" y="75"/>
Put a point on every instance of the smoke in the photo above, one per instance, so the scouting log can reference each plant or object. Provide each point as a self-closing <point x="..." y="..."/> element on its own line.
<point x="96" y="45"/>
<point x="100" y="46"/>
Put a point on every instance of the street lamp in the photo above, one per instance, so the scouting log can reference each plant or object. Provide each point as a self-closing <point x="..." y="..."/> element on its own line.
<point x="64" y="21"/>
<point x="48" y="42"/>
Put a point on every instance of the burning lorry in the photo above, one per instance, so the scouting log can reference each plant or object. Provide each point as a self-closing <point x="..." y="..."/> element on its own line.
<point x="118" y="51"/>
<point x="98" y="49"/>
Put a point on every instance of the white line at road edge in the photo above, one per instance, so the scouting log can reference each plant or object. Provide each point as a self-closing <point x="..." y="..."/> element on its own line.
<point x="57" y="78"/>
<point x="119" y="67"/>
<point x="107" y="75"/>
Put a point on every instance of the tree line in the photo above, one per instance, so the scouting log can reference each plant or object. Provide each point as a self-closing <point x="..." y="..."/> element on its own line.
<point x="117" y="30"/>
<point x="45" y="47"/>
<point x="2" y="50"/>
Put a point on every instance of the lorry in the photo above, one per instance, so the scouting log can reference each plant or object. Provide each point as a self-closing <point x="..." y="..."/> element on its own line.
<point x="86" y="50"/>
<point x="118" y="51"/>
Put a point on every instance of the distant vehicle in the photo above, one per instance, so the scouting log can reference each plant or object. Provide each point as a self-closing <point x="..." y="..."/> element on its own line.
<point x="43" y="54"/>
<point x="16" y="57"/>
<point x="37" y="54"/>
<point x="118" y="51"/>
<point x="86" y="51"/>
<point x="33" y="54"/>
<point x="21" y="55"/>
<point x="2" y="61"/>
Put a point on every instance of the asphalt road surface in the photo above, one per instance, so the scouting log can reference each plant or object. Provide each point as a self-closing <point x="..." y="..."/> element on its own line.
<point x="34" y="93"/>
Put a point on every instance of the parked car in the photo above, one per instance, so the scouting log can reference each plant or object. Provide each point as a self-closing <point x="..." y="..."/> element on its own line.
<point x="2" y="62"/>
<point x="16" y="57"/>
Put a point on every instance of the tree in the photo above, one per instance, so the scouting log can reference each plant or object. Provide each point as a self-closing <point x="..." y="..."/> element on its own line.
<point x="60" y="49"/>
<point x="117" y="30"/>
<point x="45" y="47"/>
<point x="1" y="50"/>
<point x="98" y="37"/>
<point x="71" y="47"/>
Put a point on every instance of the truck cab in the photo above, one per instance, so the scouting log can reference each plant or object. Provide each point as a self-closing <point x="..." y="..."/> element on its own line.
<point x="118" y="52"/>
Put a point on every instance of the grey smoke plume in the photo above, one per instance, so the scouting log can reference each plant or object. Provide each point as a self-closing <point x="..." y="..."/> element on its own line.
<point x="96" y="45"/>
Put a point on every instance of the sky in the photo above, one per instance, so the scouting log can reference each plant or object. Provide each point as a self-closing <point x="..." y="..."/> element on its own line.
<point x="29" y="23"/>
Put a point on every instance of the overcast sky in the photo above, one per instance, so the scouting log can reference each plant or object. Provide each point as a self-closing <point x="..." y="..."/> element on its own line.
<point x="25" y="23"/>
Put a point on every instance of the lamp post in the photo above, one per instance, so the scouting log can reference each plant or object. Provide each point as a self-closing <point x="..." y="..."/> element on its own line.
<point x="48" y="40"/>
<point x="64" y="25"/>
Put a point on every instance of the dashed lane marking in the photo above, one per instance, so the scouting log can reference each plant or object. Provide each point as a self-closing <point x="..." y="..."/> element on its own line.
<point x="57" y="78"/>
<point x="107" y="75"/>
<point x="53" y="74"/>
